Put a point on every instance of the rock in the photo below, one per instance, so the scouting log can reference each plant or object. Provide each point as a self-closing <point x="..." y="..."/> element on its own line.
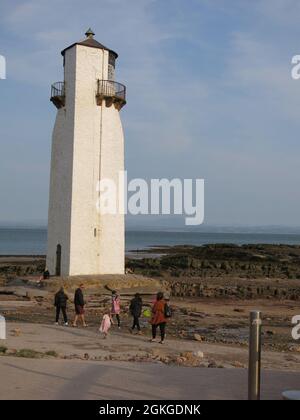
<point x="197" y="314"/>
<point x="190" y="359"/>
<point x="212" y="365"/>
<point x="199" y="354"/>
<point x="16" y="332"/>
<point x="204" y="364"/>
<point x="11" y="352"/>
<point x="187" y="355"/>
<point x="157" y="353"/>
<point x="184" y="311"/>
<point x="238" y="365"/>
<point x="295" y="348"/>
<point x="198" y="337"/>
<point x="72" y="356"/>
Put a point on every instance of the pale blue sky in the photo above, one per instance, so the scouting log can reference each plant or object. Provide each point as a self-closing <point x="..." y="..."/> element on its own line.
<point x="210" y="95"/>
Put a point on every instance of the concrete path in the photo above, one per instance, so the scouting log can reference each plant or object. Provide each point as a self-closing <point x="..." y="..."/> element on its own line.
<point x="68" y="341"/>
<point x="70" y="379"/>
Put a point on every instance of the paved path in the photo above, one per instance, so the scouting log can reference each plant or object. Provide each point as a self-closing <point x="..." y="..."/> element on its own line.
<point x="122" y="346"/>
<point x="73" y="379"/>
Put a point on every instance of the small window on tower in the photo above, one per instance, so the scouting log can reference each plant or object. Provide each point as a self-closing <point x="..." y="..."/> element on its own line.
<point x="112" y="60"/>
<point x="111" y="66"/>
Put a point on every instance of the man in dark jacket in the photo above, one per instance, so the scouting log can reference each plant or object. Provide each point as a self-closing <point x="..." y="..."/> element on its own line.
<point x="79" y="306"/>
<point x="60" y="302"/>
<point x="135" y="308"/>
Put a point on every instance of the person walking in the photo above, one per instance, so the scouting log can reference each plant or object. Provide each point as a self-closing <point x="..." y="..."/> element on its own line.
<point x="116" y="307"/>
<point x="136" y="306"/>
<point x="106" y="323"/>
<point x="60" y="302"/>
<point x="158" y="318"/>
<point x="79" y="306"/>
<point x="46" y="274"/>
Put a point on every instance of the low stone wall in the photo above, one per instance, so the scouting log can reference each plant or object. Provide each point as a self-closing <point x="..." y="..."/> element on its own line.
<point x="240" y="291"/>
<point x="12" y="266"/>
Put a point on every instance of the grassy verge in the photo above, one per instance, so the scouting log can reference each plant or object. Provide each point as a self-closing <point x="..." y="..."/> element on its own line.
<point x="27" y="353"/>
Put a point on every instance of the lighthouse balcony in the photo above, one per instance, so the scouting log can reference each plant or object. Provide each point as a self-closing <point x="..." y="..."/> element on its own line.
<point x="58" y="96"/>
<point x="111" y="92"/>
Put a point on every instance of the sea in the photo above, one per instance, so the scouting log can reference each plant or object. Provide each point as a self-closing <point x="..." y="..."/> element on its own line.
<point x="32" y="241"/>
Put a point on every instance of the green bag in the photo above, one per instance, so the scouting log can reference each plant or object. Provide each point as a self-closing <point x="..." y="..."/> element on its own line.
<point x="147" y="313"/>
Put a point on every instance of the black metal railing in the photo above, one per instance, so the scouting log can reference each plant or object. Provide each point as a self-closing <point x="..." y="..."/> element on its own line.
<point x="111" y="89"/>
<point x="58" y="95"/>
<point x="58" y="89"/>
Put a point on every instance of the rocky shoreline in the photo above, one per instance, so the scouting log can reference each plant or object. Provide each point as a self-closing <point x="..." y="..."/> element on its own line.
<point x="209" y="271"/>
<point x="223" y="260"/>
<point x="206" y="261"/>
<point x="242" y="272"/>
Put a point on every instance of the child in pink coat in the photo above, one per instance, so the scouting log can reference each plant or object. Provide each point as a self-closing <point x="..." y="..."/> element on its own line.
<point x="106" y="323"/>
<point x="116" y="306"/>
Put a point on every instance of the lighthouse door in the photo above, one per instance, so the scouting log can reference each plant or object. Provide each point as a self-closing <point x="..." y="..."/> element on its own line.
<point x="58" y="261"/>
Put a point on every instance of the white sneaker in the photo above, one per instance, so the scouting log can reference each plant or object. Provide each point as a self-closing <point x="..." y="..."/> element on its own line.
<point x="66" y="324"/>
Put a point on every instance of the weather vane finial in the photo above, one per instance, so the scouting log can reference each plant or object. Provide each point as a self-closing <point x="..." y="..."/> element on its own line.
<point x="90" y="33"/>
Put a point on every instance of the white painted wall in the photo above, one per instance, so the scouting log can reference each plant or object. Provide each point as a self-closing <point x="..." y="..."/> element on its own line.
<point x="79" y="159"/>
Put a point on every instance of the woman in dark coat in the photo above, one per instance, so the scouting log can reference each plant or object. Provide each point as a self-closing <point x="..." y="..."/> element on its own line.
<point x="79" y="303"/>
<point x="135" y="308"/>
<point x="60" y="302"/>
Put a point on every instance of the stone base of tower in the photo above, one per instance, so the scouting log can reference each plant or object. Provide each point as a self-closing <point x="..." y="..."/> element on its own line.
<point x="124" y="283"/>
<point x="87" y="263"/>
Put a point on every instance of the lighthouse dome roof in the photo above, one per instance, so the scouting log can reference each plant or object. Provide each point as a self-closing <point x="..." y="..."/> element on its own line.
<point x="90" y="42"/>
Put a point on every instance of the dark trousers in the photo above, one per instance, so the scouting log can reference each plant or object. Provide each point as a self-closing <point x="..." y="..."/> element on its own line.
<point x="136" y="323"/>
<point x="64" y="312"/>
<point x="162" y="328"/>
<point x="118" y="319"/>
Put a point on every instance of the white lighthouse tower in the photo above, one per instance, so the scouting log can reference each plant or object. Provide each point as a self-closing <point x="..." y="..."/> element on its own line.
<point x="87" y="147"/>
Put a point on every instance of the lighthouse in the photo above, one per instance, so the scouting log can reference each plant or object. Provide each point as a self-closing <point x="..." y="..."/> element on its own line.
<point x="87" y="147"/>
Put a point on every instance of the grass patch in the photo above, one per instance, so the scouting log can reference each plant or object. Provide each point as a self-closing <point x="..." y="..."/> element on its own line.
<point x="3" y="349"/>
<point x="29" y="354"/>
<point x="51" y="353"/>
